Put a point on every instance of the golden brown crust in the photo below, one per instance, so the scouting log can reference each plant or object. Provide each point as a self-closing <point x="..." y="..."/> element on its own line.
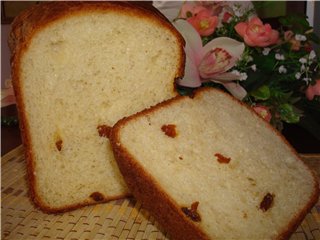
<point x="36" y="18"/>
<point x="162" y="206"/>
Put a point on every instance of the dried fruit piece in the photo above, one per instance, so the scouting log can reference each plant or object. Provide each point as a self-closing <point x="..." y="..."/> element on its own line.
<point x="192" y="212"/>
<point x="104" y="130"/>
<point x="222" y="159"/>
<point x="96" y="196"/>
<point x="169" y="130"/>
<point x="59" y="145"/>
<point x="267" y="202"/>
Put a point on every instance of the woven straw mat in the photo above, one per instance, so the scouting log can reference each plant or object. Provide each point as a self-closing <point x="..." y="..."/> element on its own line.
<point x="121" y="219"/>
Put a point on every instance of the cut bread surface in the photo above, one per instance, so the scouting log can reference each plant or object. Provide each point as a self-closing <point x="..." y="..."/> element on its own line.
<point x="75" y="76"/>
<point x="219" y="161"/>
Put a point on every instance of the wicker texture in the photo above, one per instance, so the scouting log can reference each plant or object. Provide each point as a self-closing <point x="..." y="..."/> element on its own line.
<point x="121" y="219"/>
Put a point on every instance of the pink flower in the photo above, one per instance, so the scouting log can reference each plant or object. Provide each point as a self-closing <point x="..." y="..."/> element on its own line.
<point x="201" y="16"/>
<point x="263" y="112"/>
<point x="210" y="62"/>
<point x="189" y="10"/>
<point x="255" y="34"/>
<point x="216" y="7"/>
<point x="289" y="37"/>
<point x="216" y="61"/>
<point x="313" y="90"/>
<point x="226" y="17"/>
<point x="308" y="47"/>
<point x="7" y="94"/>
<point x="204" y="23"/>
<point x="295" y="45"/>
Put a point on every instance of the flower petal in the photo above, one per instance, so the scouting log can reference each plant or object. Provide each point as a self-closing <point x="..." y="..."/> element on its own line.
<point x="241" y="28"/>
<point x="255" y="21"/>
<point x="215" y="62"/>
<point x="186" y="9"/>
<point x="225" y="77"/>
<point x="274" y="36"/>
<point x="235" y="89"/>
<point x="191" y="75"/>
<point x="7" y="97"/>
<point x="250" y="43"/>
<point x="192" y="38"/>
<point x="313" y="90"/>
<point x="233" y="47"/>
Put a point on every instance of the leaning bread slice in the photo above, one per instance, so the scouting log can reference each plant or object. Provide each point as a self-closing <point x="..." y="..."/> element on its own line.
<point x="207" y="167"/>
<point x="77" y="68"/>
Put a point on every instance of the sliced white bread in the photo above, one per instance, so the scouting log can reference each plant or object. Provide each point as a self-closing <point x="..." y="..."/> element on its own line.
<point x="208" y="167"/>
<point x="77" y="68"/>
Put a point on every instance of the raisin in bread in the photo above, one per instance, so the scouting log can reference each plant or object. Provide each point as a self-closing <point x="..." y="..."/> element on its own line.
<point x="77" y="68"/>
<point x="207" y="167"/>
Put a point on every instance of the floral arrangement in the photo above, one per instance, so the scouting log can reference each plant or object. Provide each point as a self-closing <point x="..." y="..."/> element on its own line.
<point x="274" y="71"/>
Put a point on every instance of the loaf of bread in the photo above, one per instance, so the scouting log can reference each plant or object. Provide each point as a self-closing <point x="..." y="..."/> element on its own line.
<point x="207" y="167"/>
<point x="77" y="68"/>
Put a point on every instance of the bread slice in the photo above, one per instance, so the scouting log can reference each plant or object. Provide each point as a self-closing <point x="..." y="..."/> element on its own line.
<point x="207" y="167"/>
<point x="77" y="68"/>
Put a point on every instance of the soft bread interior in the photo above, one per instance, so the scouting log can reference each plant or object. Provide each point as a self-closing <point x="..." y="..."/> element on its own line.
<point x="81" y="72"/>
<point x="230" y="194"/>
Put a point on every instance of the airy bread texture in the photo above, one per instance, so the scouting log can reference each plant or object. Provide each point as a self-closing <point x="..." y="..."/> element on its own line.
<point x="77" y="69"/>
<point x="208" y="167"/>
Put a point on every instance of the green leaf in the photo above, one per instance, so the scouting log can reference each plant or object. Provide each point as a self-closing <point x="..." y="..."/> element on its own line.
<point x="300" y="24"/>
<point x="265" y="63"/>
<point x="280" y="95"/>
<point x="284" y="21"/>
<point x="288" y="114"/>
<point x="262" y="93"/>
<point x="255" y="80"/>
